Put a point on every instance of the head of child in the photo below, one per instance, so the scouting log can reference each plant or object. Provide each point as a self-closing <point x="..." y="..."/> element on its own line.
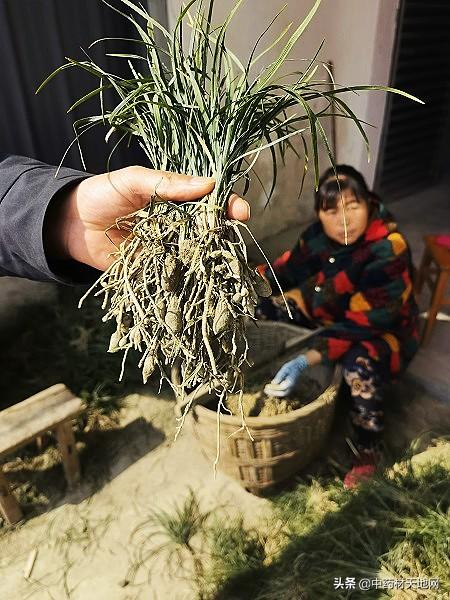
<point x="343" y="206"/>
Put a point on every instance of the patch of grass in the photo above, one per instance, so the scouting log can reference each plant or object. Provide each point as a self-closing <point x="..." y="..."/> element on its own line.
<point x="396" y="526"/>
<point x="177" y="537"/>
<point x="233" y="549"/>
<point x="195" y="547"/>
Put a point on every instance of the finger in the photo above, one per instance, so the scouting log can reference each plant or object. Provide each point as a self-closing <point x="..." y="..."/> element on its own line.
<point x="275" y="391"/>
<point x="176" y="187"/>
<point x="283" y="387"/>
<point x="238" y="208"/>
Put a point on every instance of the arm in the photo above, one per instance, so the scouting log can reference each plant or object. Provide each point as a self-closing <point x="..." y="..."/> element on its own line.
<point x="27" y="187"/>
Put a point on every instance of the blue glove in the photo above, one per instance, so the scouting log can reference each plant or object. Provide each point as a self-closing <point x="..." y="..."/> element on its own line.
<point x="287" y="377"/>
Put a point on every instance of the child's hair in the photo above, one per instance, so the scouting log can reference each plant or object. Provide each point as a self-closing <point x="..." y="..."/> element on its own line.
<point x="349" y="179"/>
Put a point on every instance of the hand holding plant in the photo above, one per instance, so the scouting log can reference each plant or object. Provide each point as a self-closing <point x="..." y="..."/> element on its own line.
<point x="76" y="223"/>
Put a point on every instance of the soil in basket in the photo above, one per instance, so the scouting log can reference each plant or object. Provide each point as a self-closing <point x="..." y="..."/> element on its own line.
<point x="257" y="404"/>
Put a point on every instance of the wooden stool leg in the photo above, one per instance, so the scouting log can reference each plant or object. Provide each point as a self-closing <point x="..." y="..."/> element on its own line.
<point x="425" y="263"/>
<point x="69" y="454"/>
<point x="436" y="303"/>
<point x="8" y="504"/>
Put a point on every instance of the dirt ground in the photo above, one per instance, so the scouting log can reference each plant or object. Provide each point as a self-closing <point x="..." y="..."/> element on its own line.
<point x="16" y="293"/>
<point x="85" y="545"/>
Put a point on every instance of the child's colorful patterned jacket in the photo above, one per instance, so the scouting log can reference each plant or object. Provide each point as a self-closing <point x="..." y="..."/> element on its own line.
<point x="362" y="293"/>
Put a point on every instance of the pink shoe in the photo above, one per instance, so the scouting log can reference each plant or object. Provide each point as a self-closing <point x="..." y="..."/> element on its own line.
<point x="357" y="474"/>
<point x="363" y="470"/>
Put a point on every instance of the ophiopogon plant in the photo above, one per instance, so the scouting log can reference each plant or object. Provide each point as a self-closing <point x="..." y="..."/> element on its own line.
<point x="180" y="289"/>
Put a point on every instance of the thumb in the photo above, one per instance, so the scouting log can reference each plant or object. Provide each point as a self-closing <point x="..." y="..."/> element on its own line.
<point x="176" y="187"/>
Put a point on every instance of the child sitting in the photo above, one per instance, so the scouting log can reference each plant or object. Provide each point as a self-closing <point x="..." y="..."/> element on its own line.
<point x="350" y="273"/>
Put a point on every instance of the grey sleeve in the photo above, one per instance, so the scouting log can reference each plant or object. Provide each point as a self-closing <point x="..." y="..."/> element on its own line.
<point x="27" y="187"/>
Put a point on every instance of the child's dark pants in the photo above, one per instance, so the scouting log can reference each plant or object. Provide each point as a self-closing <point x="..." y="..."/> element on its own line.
<point x="366" y="378"/>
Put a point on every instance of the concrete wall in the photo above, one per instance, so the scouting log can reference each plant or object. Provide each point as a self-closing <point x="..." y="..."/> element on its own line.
<point x="360" y="42"/>
<point x="359" y="38"/>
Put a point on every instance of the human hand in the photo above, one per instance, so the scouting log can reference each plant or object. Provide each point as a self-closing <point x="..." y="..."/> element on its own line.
<point x="75" y="224"/>
<point x="287" y="377"/>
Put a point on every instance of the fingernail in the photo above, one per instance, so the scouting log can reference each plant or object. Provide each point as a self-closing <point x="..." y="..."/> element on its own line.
<point x="201" y="181"/>
<point x="248" y="212"/>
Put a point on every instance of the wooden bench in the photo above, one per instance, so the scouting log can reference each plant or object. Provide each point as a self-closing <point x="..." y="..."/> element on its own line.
<point x="50" y="410"/>
<point x="435" y="261"/>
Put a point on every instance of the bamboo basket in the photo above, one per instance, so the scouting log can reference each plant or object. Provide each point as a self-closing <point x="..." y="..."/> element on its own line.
<point x="282" y="444"/>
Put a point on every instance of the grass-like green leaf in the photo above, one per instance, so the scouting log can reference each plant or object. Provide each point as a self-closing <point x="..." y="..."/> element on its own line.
<point x="199" y="112"/>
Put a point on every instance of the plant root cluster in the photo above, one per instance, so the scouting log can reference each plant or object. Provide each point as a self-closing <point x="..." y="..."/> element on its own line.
<point x="180" y="291"/>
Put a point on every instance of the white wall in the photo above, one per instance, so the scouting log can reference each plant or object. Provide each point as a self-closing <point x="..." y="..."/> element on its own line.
<point x="359" y="40"/>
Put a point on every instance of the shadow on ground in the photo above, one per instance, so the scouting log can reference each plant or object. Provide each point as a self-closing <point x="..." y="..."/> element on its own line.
<point x="391" y="524"/>
<point x="38" y="478"/>
<point x="367" y="534"/>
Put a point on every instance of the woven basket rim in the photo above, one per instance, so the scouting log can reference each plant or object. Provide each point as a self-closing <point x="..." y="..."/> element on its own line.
<point x="275" y="420"/>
